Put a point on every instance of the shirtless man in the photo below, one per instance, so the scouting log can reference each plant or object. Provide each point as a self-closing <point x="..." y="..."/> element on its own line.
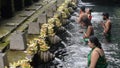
<point x="82" y="14"/>
<point x="106" y="27"/>
<point x="88" y="11"/>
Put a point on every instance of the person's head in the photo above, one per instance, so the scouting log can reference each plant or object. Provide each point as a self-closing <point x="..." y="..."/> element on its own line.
<point x="82" y="8"/>
<point x="85" y="21"/>
<point x="105" y="16"/>
<point x="94" y="42"/>
<point x="88" y="10"/>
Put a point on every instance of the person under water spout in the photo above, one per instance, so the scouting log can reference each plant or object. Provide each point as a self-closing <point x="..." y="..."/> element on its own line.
<point x="81" y="15"/>
<point x="96" y="57"/>
<point x="89" y="28"/>
<point x="88" y="11"/>
<point x="106" y="27"/>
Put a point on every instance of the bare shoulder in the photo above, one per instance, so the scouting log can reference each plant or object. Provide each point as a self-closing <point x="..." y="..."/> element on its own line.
<point x="99" y="51"/>
<point x="95" y="52"/>
<point x="109" y="21"/>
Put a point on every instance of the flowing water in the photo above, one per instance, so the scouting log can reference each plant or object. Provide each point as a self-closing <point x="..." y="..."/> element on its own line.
<point x="74" y="54"/>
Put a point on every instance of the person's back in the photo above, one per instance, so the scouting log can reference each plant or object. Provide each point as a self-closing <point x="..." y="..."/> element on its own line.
<point x="101" y="62"/>
<point x="82" y="14"/>
<point x="96" y="57"/>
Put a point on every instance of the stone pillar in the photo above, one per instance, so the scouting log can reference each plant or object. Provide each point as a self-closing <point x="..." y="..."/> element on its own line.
<point x="34" y="28"/>
<point x="3" y="60"/>
<point x="18" y="41"/>
<point x="45" y="56"/>
<point x="54" y="39"/>
<point x="7" y="8"/>
<point x="42" y="18"/>
<point x="28" y="2"/>
<point x="54" y="7"/>
<point x="49" y="12"/>
<point x="18" y="4"/>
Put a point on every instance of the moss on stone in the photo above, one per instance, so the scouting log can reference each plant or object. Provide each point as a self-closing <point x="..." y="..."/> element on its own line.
<point x="14" y="56"/>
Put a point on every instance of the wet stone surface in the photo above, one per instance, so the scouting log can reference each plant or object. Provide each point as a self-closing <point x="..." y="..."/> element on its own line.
<point x="34" y="28"/>
<point x="18" y="41"/>
<point x="33" y="8"/>
<point x="42" y="18"/>
<point x="26" y="13"/>
<point x="3" y="60"/>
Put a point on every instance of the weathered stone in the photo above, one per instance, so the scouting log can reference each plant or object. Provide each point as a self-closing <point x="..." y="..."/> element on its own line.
<point x="54" y="7"/>
<point x="18" y="41"/>
<point x="3" y="46"/>
<point x="54" y="39"/>
<point x="33" y="8"/>
<point x="3" y="60"/>
<point x="42" y="18"/>
<point x="45" y="56"/>
<point x="34" y="28"/>
<point x="26" y="14"/>
<point x="59" y="2"/>
<point x="49" y="12"/>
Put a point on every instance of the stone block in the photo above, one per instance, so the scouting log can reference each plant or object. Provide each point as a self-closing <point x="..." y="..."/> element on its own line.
<point x="42" y="18"/>
<point x="54" y="7"/>
<point x="49" y="12"/>
<point x="34" y="28"/>
<point x="3" y="60"/>
<point x="18" y="41"/>
<point x="59" y="2"/>
<point x="54" y="39"/>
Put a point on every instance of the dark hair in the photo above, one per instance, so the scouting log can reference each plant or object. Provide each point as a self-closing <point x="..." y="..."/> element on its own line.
<point x="86" y="21"/>
<point x="90" y="10"/>
<point x="95" y="40"/>
<point x="82" y="8"/>
<point x="106" y="14"/>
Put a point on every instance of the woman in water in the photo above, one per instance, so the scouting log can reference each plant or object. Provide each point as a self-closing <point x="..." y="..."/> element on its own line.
<point x="96" y="57"/>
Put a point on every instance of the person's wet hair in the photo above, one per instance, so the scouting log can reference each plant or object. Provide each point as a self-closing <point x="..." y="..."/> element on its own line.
<point x="82" y="8"/>
<point x="95" y="40"/>
<point x="106" y="14"/>
<point x="86" y="21"/>
<point x="90" y="10"/>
